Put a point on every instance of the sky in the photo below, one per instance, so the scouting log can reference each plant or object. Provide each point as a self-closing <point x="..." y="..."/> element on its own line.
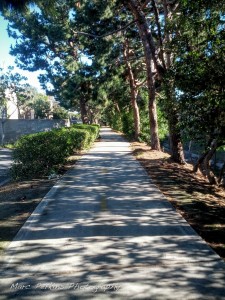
<point x="8" y="60"/>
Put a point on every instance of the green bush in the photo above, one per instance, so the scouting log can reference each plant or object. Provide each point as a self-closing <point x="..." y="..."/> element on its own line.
<point x="41" y="153"/>
<point x="92" y="133"/>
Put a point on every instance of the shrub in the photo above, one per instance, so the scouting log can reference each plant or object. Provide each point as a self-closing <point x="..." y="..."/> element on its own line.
<point x="38" y="154"/>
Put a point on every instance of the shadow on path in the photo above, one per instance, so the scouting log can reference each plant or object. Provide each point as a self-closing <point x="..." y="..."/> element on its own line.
<point x="106" y="232"/>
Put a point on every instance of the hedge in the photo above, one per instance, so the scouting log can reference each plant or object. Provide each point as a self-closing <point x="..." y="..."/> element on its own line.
<point x="39" y="154"/>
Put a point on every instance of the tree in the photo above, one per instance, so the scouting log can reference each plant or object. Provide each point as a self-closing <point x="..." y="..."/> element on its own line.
<point x="60" y="113"/>
<point x="133" y="89"/>
<point x="155" y="36"/>
<point x="41" y="106"/>
<point x="199" y="76"/>
<point x="14" y="4"/>
<point x="13" y="89"/>
<point x="22" y="5"/>
<point x="111" y="42"/>
<point x="136" y="9"/>
<point x="60" y="46"/>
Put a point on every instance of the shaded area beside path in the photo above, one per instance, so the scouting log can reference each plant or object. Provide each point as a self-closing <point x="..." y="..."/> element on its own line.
<point x="106" y="232"/>
<point x="5" y="163"/>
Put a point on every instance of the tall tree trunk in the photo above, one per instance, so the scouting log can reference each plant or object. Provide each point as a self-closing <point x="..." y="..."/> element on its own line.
<point x="83" y="111"/>
<point x="204" y="162"/>
<point x="137" y="123"/>
<point x="152" y="110"/>
<point x="161" y="68"/>
<point x="176" y="147"/>
<point x="134" y="92"/>
<point x="153" y="120"/>
<point x="145" y="35"/>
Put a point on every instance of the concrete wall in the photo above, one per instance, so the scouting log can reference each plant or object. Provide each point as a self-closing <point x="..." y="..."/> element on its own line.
<point x="11" y="130"/>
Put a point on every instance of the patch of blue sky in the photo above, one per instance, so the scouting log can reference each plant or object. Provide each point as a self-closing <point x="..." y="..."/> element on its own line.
<point x="8" y="60"/>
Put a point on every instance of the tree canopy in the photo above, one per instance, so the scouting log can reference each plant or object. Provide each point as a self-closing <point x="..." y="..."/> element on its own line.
<point x="137" y="65"/>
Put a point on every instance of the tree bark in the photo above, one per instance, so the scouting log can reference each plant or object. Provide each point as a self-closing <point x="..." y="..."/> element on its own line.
<point x="134" y="93"/>
<point x="176" y="147"/>
<point x="211" y="177"/>
<point x="147" y="42"/>
<point x="204" y="160"/>
<point x="199" y="162"/>
<point x="161" y="68"/>
<point x="83" y="111"/>
<point x="202" y="157"/>
<point x="145" y="32"/>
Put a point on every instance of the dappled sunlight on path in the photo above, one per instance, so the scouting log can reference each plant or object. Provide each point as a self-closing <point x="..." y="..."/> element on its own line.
<point x="106" y="232"/>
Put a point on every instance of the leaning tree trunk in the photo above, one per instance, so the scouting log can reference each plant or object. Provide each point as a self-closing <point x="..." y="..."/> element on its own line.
<point x="152" y="110"/>
<point x="176" y="146"/>
<point x="204" y="161"/>
<point x="210" y="175"/>
<point x="134" y="93"/>
<point x="144" y="33"/>
<point x="202" y="157"/>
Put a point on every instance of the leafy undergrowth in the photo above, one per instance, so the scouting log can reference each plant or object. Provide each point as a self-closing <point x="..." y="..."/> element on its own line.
<point x="202" y="205"/>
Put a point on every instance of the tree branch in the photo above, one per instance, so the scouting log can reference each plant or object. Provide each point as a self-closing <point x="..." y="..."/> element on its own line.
<point x="106" y="34"/>
<point x="156" y="13"/>
<point x="141" y="83"/>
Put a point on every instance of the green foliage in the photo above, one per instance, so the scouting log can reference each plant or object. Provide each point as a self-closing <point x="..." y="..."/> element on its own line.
<point x="128" y="123"/>
<point x="41" y="106"/>
<point x="122" y="122"/>
<point x="115" y="121"/>
<point x="92" y="133"/>
<point x="189" y="46"/>
<point x="38" y="154"/>
<point x="8" y="146"/>
<point x="163" y="125"/>
<point x="60" y="113"/>
<point x="17" y="92"/>
<point x="199" y="71"/>
<point x="145" y="127"/>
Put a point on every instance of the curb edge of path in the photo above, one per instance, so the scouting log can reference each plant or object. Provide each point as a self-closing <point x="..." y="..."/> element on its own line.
<point x="190" y="229"/>
<point x="16" y="242"/>
<point x="37" y="213"/>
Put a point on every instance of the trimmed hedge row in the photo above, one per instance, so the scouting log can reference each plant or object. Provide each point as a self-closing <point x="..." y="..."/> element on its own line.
<point x="41" y="153"/>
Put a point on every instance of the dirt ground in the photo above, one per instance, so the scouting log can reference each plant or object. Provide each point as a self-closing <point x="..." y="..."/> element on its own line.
<point x="17" y="202"/>
<point x="19" y="199"/>
<point x="202" y="205"/>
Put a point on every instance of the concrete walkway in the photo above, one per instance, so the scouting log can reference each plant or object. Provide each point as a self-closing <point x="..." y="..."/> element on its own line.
<point x="106" y="232"/>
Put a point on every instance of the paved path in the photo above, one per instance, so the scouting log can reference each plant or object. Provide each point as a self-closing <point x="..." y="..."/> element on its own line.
<point x="5" y="163"/>
<point x="106" y="232"/>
